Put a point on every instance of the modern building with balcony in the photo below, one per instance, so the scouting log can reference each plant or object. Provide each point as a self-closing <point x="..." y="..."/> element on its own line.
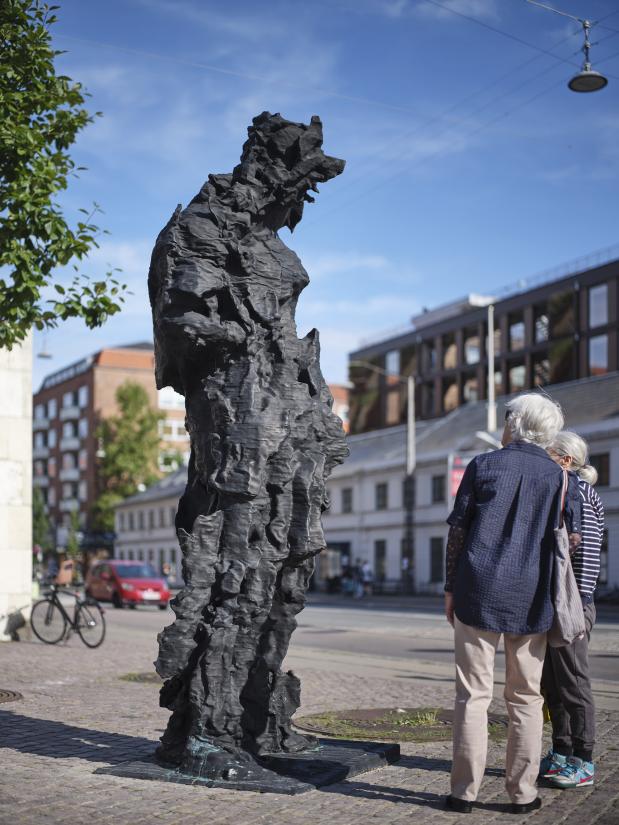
<point x="558" y="327"/>
<point x="68" y="407"/>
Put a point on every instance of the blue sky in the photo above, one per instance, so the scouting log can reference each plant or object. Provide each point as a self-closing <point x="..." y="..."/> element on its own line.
<point x="470" y="164"/>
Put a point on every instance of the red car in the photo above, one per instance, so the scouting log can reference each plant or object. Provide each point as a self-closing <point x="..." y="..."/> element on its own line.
<point x="127" y="582"/>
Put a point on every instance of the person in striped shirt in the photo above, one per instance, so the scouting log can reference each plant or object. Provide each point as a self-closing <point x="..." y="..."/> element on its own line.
<point x="565" y="677"/>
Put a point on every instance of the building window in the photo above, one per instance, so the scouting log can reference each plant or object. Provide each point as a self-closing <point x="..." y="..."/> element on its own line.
<point x="141" y="555"/>
<point x="173" y="556"/>
<point x="561" y="357"/>
<point x="517" y="378"/>
<point x="131" y="521"/>
<point x="380" y="496"/>
<point x="598" y="355"/>
<point x="82" y="396"/>
<point x="51" y="497"/>
<point x="67" y="430"/>
<point x="450" y="395"/>
<point x="130" y="555"/>
<point x="438" y="489"/>
<point x="437" y="554"/>
<point x="542" y="324"/>
<point x="380" y="560"/>
<point x="151" y="519"/>
<point x="121" y="521"/>
<point x="429" y="356"/>
<point x="52" y="408"/>
<point x="450" y="352"/>
<point x="601" y="462"/>
<point x="51" y="467"/>
<point x="603" y="577"/>
<point x="561" y="314"/>
<point x="471" y="346"/>
<point x="408" y="493"/>
<point x="68" y="461"/>
<point x="173" y="429"/>
<point x="82" y="491"/>
<point x="496" y="337"/>
<point x="82" y="427"/>
<point x="82" y="459"/>
<point x="161" y="559"/>
<point x="516" y="331"/>
<point x="541" y="372"/>
<point x="172" y="516"/>
<point x="470" y="389"/>
<point x="39" y="439"/>
<point x="347" y="500"/>
<point x="498" y="382"/>
<point x="51" y="437"/>
<point x="151" y="554"/>
<point x="598" y="305"/>
<point x="67" y="400"/>
<point x="392" y="363"/>
<point x="140" y="520"/>
<point x="39" y="468"/>
<point x="161" y="517"/>
<point x="39" y="412"/>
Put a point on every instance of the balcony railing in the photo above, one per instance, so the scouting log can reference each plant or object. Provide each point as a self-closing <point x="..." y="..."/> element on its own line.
<point x="70" y="474"/>
<point x="40" y="481"/>
<point x="40" y="452"/>
<point x="67" y="413"/>
<point x="68" y="505"/>
<point x="40" y="423"/>
<point x="71" y="443"/>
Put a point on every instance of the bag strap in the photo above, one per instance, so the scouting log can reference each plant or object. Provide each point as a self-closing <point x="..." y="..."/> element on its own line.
<point x="564" y="486"/>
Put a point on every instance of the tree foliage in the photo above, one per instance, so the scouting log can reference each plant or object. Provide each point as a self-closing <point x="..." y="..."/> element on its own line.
<point x="42" y="535"/>
<point x="129" y="444"/>
<point x="41" y="114"/>
<point x="73" y="537"/>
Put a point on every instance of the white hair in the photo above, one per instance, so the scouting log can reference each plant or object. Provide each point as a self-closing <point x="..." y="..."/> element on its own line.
<point x="570" y="444"/>
<point x="534" y="418"/>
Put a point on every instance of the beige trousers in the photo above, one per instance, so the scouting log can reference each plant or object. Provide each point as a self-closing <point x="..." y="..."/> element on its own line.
<point x="524" y="659"/>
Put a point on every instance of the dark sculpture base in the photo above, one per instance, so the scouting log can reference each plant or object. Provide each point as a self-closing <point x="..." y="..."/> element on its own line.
<point x="292" y="774"/>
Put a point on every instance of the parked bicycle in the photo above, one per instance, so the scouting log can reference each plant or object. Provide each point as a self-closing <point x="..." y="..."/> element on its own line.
<point x="51" y="622"/>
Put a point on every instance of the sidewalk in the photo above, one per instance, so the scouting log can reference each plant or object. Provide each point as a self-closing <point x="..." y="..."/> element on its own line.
<point x="77" y="715"/>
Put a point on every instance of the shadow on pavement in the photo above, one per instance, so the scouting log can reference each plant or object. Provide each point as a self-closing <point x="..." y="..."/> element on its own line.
<point x="58" y="740"/>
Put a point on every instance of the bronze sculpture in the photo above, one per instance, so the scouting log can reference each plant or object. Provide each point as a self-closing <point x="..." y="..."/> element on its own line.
<point x="223" y="289"/>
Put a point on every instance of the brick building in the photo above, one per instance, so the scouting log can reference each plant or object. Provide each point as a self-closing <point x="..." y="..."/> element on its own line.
<point x="563" y="327"/>
<point x="66" y="411"/>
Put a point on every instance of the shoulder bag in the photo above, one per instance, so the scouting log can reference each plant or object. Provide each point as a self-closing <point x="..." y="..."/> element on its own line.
<point x="569" y="619"/>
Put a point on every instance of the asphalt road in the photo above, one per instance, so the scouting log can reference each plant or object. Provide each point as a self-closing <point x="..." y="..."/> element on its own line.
<point x="374" y="636"/>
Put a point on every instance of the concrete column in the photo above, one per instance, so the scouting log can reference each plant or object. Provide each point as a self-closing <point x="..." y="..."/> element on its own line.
<point x="15" y="480"/>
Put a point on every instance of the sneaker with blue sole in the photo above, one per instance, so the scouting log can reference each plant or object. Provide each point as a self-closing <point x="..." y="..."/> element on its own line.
<point x="576" y="774"/>
<point x="551" y="764"/>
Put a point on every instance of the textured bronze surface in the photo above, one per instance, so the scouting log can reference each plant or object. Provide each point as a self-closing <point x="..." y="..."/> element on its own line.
<point x="224" y="289"/>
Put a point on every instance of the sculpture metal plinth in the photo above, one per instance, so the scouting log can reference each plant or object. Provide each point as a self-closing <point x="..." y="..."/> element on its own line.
<point x="223" y="289"/>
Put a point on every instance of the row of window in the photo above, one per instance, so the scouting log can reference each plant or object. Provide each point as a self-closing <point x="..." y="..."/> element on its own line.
<point x="162" y="557"/>
<point x="70" y="429"/>
<point x="437" y="560"/>
<point x="381" y="494"/>
<point x="69" y="491"/>
<point x="78" y="398"/>
<point x="438" y="489"/>
<point x="70" y="461"/>
<point x="143" y="519"/>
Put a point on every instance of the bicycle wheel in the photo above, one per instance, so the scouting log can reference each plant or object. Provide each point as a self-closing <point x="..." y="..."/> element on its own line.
<point x="48" y="622"/>
<point x="90" y="623"/>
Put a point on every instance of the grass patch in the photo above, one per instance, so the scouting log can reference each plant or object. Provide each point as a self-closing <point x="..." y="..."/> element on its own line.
<point x="148" y="678"/>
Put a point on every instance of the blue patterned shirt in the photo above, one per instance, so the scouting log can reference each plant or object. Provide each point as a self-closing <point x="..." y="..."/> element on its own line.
<point x="508" y="503"/>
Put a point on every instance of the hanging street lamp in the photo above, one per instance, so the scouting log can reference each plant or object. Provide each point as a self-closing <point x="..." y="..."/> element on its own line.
<point x="587" y="79"/>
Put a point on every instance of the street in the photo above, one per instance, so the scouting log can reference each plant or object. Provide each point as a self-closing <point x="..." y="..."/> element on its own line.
<point x="77" y="714"/>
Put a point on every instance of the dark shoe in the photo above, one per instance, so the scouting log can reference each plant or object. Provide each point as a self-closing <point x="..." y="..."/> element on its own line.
<point x="460" y="806"/>
<point x="515" y="808"/>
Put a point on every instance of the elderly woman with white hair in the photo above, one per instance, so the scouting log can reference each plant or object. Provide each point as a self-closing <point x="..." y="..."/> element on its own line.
<point x="498" y="581"/>
<point x="565" y="678"/>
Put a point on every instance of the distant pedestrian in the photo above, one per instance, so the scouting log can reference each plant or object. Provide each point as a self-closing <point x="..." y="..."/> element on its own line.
<point x="565" y="678"/>
<point x="367" y="578"/>
<point x="358" y="579"/>
<point x="500" y="550"/>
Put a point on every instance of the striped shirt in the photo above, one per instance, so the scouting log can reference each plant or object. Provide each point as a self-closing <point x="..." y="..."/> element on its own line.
<point x="586" y="559"/>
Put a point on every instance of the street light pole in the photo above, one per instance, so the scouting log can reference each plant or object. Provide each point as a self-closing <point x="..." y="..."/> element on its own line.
<point x="491" y="418"/>
<point x="411" y="463"/>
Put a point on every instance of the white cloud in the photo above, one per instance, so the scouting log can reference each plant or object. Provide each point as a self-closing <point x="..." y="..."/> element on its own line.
<point x="338" y="263"/>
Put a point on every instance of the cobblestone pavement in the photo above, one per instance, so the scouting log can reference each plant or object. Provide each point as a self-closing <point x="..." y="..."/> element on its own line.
<point x="77" y="715"/>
